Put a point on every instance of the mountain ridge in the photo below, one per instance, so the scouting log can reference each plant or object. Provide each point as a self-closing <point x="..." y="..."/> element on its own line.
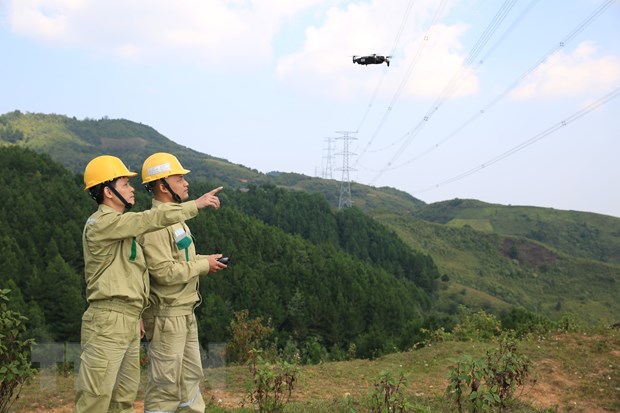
<point x="506" y="252"/>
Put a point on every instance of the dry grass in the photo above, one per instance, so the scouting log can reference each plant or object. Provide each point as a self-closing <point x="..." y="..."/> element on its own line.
<point x="572" y="373"/>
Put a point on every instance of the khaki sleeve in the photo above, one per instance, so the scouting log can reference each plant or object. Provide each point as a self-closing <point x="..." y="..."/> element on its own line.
<point x="114" y="226"/>
<point x="164" y="268"/>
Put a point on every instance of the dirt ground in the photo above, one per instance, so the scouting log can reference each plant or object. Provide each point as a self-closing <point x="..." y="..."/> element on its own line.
<point x="68" y="408"/>
<point x="581" y="382"/>
<point x="546" y="393"/>
<point x="221" y="398"/>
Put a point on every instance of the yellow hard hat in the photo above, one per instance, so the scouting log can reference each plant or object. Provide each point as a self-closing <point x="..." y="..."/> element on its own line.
<point x="104" y="168"/>
<point x="161" y="165"/>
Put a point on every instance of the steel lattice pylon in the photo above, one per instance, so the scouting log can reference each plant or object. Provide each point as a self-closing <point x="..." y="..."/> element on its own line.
<point x="344" y="200"/>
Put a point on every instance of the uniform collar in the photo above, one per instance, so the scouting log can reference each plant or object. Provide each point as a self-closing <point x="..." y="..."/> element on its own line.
<point x="107" y="209"/>
<point x="156" y="203"/>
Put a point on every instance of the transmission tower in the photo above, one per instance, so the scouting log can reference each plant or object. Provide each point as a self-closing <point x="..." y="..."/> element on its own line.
<point x="327" y="165"/>
<point x="345" y="184"/>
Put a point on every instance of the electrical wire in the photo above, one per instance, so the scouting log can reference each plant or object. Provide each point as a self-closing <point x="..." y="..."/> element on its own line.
<point x="392" y="52"/>
<point x="595" y="105"/>
<point x="407" y="75"/>
<point x="559" y="46"/>
<point x="457" y="79"/>
<point x="466" y="75"/>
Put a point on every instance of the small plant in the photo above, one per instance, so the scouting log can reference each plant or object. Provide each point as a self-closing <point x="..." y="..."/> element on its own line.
<point x="465" y="379"/>
<point x="273" y="383"/>
<point x="388" y="394"/>
<point x="568" y="324"/>
<point x="490" y="382"/>
<point x="15" y="367"/>
<point x="246" y="335"/>
<point x="505" y="371"/>
<point x="478" y="325"/>
<point x="438" y="335"/>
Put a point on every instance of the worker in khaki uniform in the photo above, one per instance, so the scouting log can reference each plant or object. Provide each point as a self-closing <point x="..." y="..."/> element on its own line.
<point x="117" y="285"/>
<point x="174" y="373"/>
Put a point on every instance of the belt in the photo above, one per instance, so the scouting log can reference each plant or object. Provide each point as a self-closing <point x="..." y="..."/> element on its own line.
<point x="120" y="306"/>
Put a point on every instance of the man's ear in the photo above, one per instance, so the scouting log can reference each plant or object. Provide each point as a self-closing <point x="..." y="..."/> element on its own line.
<point x="107" y="192"/>
<point x="162" y="188"/>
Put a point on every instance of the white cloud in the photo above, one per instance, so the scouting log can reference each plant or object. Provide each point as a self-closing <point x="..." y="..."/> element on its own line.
<point x="370" y="27"/>
<point x="440" y="64"/>
<point x="43" y="20"/>
<point x="572" y="74"/>
<point x="210" y="32"/>
<point x="234" y="35"/>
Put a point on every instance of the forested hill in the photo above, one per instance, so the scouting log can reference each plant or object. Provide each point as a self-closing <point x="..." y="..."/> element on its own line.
<point x="490" y="256"/>
<point x="581" y="234"/>
<point x="74" y="142"/>
<point x="334" y="279"/>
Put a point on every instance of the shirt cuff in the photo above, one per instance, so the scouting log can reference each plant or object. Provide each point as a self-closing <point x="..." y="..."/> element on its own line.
<point x="203" y="264"/>
<point x="190" y="210"/>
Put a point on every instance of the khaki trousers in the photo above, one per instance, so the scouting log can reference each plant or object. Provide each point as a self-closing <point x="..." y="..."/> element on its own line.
<point x="109" y="373"/>
<point x="174" y="373"/>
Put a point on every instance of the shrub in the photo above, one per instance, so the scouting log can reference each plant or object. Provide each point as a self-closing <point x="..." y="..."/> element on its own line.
<point x="568" y="324"/>
<point x="15" y="367"/>
<point x="476" y="325"/>
<point x="490" y="382"/>
<point x="272" y="383"/>
<point x="526" y="323"/>
<point x="246" y="335"/>
<point x="388" y="394"/>
<point x="314" y="352"/>
<point x="505" y="371"/>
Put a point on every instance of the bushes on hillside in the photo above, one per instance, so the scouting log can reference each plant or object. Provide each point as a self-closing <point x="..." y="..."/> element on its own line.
<point x="15" y="365"/>
<point x="478" y="325"/>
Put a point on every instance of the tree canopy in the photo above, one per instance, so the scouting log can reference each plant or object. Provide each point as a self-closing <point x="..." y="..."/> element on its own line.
<point x="333" y="277"/>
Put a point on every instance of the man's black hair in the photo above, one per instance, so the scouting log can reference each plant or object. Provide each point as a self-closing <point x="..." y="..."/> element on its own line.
<point x="150" y="186"/>
<point x="96" y="192"/>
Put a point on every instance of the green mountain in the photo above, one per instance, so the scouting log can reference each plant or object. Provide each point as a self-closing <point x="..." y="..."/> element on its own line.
<point x="489" y="255"/>
<point x="316" y="273"/>
<point x="73" y="143"/>
<point x="496" y="271"/>
<point x="581" y="234"/>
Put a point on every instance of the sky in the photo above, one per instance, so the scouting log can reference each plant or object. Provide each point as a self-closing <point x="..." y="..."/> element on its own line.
<point x="509" y="102"/>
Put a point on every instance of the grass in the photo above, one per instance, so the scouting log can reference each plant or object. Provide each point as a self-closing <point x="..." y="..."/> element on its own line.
<point x="479" y="224"/>
<point x="572" y="372"/>
<point x="542" y="279"/>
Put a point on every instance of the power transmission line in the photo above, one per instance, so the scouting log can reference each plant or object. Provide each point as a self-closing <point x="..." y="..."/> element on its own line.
<point x="611" y="95"/>
<point x="559" y="46"/>
<point x="392" y="52"/>
<point x="455" y="81"/>
<point x="407" y="75"/>
<point x="466" y="73"/>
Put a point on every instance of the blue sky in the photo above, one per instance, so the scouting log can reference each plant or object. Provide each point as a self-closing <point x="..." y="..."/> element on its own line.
<point x="513" y="102"/>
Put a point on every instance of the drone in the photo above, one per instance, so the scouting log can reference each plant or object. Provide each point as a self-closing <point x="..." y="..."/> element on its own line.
<point x="371" y="60"/>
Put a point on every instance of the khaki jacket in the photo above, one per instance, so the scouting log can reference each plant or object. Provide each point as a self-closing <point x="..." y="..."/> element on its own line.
<point x="114" y="266"/>
<point x="174" y="269"/>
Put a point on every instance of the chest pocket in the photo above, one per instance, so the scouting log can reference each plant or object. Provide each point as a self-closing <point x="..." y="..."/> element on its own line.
<point x="183" y="240"/>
